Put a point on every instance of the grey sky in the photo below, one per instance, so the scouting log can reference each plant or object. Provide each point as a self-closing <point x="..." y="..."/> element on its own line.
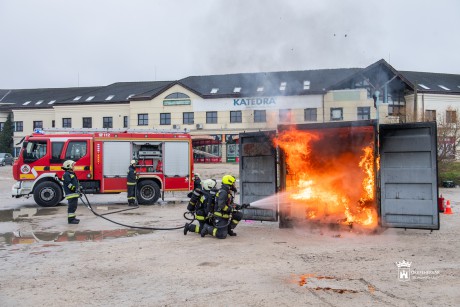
<point x="65" y="43"/>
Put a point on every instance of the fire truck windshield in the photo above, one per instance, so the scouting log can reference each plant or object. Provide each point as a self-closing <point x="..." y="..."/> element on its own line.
<point x="34" y="150"/>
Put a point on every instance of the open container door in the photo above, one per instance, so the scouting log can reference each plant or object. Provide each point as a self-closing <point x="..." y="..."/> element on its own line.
<point x="258" y="175"/>
<point x="408" y="176"/>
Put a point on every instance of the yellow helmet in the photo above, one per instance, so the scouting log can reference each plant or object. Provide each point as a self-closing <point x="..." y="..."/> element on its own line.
<point x="68" y="164"/>
<point x="228" y="179"/>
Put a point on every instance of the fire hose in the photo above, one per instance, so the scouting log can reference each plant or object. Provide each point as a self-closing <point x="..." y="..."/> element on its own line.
<point x="86" y="202"/>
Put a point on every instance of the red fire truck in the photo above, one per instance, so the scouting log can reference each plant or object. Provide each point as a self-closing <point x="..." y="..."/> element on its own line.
<point x="165" y="163"/>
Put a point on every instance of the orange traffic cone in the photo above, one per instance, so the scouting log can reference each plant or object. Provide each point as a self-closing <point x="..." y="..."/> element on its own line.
<point x="448" y="208"/>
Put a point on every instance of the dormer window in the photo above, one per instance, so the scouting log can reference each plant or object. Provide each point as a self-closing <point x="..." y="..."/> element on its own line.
<point x="237" y="90"/>
<point x="283" y="86"/>
<point x="306" y="85"/>
<point x="260" y="89"/>
<point x="444" y="88"/>
<point x="424" y="86"/>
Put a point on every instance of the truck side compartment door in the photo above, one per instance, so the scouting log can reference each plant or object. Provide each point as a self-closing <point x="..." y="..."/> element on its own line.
<point x="408" y="176"/>
<point x="258" y="176"/>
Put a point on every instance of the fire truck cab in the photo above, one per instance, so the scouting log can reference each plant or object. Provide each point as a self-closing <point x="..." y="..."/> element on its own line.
<point x="165" y="163"/>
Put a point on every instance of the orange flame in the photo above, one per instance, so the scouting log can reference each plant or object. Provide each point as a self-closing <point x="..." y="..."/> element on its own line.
<point x="330" y="177"/>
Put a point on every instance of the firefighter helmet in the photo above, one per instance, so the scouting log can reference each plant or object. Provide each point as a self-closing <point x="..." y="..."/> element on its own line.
<point x="209" y="184"/>
<point x="68" y="164"/>
<point x="197" y="175"/>
<point x="228" y="179"/>
<point x="133" y="162"/>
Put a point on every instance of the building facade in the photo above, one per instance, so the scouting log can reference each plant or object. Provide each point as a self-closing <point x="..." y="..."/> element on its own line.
<point x="215" y="109"/>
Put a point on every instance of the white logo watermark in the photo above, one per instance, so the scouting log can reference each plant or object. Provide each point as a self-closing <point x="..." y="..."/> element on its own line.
<point x="405" y="273"/>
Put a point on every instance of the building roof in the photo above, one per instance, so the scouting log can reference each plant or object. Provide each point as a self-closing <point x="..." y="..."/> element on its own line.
<point x="120" y="92"/>
<point x="284" y="83"/>
<point x="39" y="98"/>
<point x="435" y="83"/>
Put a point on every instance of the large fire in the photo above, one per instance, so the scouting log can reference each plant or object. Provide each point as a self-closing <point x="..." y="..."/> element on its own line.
<point x="330" y="175"/>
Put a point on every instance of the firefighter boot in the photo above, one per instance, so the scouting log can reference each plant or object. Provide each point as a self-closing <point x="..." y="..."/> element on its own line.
<point x="207" y="229"/>
<point x="186" y="229"/>
<point x="230" y="232"/>
<point x="73" y="220"/>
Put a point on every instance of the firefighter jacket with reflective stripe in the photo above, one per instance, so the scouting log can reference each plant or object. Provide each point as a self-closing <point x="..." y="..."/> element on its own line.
<point x="224" y="200"/>
<point x="70" y="184"/>
<point x="132" y="175"/>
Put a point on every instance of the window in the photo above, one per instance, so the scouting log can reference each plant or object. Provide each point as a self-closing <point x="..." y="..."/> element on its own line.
<point x="87" y="122"/>
<point x="235" y="117"/>
<point x="38" y="124"/>
<point x="75" y="150"/>
<point x="125" y="121"/>
<point x="53" y="123"/>
<point x="188" y="118"/>
<point x="396" y="110"/>
<point x="364" y="113"/>
<point x="306" y="85"/>
<point x="90" y="98"/>
<point x="260" y="116"/>
<point x="260" y="89"/>
<point x="211" y="117"/>
<point x="110" y="97"/>
<point x="2" y="125"/>
<point x="237" y="90"/>
<point x="285" y="115"/>
<point x="214" y="90"/>
<point x="34" y="151"/>
<point x="451" y="117"/>
<point x="176" y="99"/>
<point x="430" y="115"/>
<point x="336" y="113"/>
<point x="165" y="118"/>
<point x="77" y="98"/>
<point x="107" y="122"/>
<point x="310" y="115"/>
<point x="283" y="86"/>
<point x="56" y="149"/>
<point x="142" y="119"/>
<point x="18" y="126"/>
<point x="66" y="123"/>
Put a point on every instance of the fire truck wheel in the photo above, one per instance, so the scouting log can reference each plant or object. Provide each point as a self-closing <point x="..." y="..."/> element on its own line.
<point x="148" y="192"/>
<point x="47" y="194"/>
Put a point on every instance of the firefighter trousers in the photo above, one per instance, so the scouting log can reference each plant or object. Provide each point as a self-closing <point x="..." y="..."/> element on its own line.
<point x="201" y="218"/>
<point x="73" y="203"/>
<point x="131" y="193"/>
<point x="219" y="229"/>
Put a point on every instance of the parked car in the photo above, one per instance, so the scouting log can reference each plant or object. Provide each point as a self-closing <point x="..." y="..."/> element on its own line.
<point x="6" y="158"/>
<point x="448" y="184"/>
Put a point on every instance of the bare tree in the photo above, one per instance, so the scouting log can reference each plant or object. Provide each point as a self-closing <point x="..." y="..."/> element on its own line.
<point x="448" y="135"/>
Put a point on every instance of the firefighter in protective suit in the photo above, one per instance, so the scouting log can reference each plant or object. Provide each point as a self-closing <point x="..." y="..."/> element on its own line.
<point x="226" y="215"/>
<point x="71" y="190"/>
<point x="201" y="203"/>
<point x="132" y="181"/>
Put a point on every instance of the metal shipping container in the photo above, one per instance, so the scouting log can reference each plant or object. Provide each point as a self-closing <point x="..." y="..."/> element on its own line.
<point x="405" y="183"/>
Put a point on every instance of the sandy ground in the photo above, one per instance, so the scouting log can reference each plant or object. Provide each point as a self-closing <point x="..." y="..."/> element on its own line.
<point x="46" y="262"/>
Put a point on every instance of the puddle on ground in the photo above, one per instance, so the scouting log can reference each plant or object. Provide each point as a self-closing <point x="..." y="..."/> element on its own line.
<point x="17" y="214"/>
<point x="29" y="237"/>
